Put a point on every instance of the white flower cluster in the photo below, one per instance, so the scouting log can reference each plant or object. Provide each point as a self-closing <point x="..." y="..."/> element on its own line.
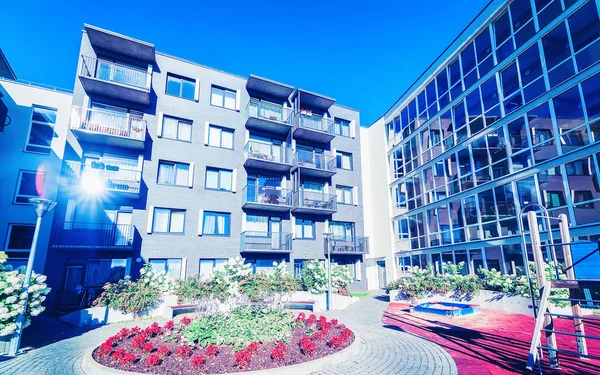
<point x="236" y="268"/>
<point x="12" y="298"/>
<point x="158" y="280"/>
<point x="315" y="277"/>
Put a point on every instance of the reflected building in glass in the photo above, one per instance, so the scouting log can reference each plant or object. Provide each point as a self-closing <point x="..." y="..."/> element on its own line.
<point x="507" y="116"/>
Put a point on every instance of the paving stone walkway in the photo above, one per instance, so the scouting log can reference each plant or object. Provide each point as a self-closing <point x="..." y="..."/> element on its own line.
<point x="384" y="349"/>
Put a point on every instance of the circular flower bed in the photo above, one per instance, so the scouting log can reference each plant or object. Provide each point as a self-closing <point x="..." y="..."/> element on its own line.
<point x="218" y="343"/>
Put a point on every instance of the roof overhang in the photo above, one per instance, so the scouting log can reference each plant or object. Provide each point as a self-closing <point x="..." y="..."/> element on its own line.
<point x="313" y="100"/>
<point x="269" y="87"/>
<point x="121" y="44"/>
<point x="5" y="69"/>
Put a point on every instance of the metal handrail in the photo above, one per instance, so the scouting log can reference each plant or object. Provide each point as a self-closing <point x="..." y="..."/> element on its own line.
<point x="350" y="245"/>
<point x="268" y="152"/>
<point x="112" y="177"/>
<point x="314" y="122"/>
<point x="316" y="160"/>
<point x="266" y="241"/>
<point x="270" y="195"/>
<point x="314" y="199"/>
<point x="106" y="122"/>
<point x="112" y="72"/>
<point x="269" y="111"/>
<point x="81" y="234"/>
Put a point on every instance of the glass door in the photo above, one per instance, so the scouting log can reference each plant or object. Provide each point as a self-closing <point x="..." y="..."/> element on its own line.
<point x="275" y="229"/>
<point x="123" y="232"/>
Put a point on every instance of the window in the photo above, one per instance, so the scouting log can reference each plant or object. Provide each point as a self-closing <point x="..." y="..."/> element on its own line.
<point x="102" y="271"/>
<point x="220" y="137"/>
<point x="177" y="129"/>
<point x="342" y="230"/>
<point x="170" y="173"/>
<point x="181" y="87"/>
<point x="19" y="237"/>
<point x="30" y="184"/>
<point x="222" y="97"/>
<point x="583" y="196"/>
<point x="259" y="225"/>
<point x="578" y="168"/>
<point x="305" y="229"/>
<point x="216" y="224"/>
<point x="172" y="267"/>
<point x="349" y="265"/>
<point x="342" y="127"/>
<point x="264" y="264"/>
<point x="344" y="195"/>
<point x="554" y="199"/>
<point x="209" y="266"/>
<point x="344" y="160"/>
<point x="167" y="220"/>
<point x="41" y="130"/>
<point x="299" y="267"/>
<point x="218" y="179"/>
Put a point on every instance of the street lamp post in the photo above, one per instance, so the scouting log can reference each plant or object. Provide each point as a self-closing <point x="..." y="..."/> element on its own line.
<point x="40" y="206"/>
<point x="329" y="299"/>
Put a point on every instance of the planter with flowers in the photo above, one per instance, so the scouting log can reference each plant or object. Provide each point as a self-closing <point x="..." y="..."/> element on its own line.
<point x="12" y="300"/>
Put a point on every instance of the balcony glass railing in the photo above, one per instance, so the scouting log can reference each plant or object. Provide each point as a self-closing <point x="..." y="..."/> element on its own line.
<point x="358" y="245"/>
<point x="266" y="241"/>
<point x="315" y="199"/>
<point x="89" y="235"/>
<point x="270" y="195"/>
<point x="315" y="160"/>
<point x="108" y="123"/>
<point x="101" y="176"/>
<point x="267" y="152"/>
<point x="112" y="72"/>
<point x="311" y="121"/>
<point x="268" y="111"/>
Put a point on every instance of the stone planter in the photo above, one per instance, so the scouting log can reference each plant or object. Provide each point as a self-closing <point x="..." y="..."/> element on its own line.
<point x="4" y="344"/>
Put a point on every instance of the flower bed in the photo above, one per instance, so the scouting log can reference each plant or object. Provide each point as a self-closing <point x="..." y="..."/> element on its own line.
<point x="212" y="344"/>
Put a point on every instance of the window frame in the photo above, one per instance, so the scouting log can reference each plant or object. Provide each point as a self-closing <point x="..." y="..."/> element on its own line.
<point x="166" y="265"/>
<point x="9" y="233"/>
<point x="41" y="123"/>
<point x="216" y="214"/>
<point x="219" y="171"/>
<point x="344" y="190"/>
<point x="223" y="90"/>
<point x="175" y="163"/>
<point x="181" y="79"/>
<point x="341" y="124"/>
<point x="339" y="158"/>
<point x="171" y="210"/>
<point x="179" y="121"/>
<point x="18" y="187"/>
<point x="221" y="130"/>
<point x="304" y="222"/>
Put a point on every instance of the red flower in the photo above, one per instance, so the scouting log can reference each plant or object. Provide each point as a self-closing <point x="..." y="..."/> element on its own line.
<point x="164" y="351"/>
<point x="183" y="351"/>
<point x="153" y="330"/>
<point x="169" y="325"/>
<point x="242" y="359"/>
<point x="308" y="347"/>
<point x="211" y="350"/>
<point x="153" y="360"/>
<point x="278" y="353"/>
<point x="312" y="318"/>
<point x="128" y="358"/>
<point x="135" y="331"/>
<point x="147" y="347"/>
<point x="185" y="321"/>
<point x="334" y="322"/>
<point x="318" y="336"/>
<point x="252" y="348"/>
<point x="138" y="341"/>
<point x="301" y="317"/>
<point x="123" y="333"/>
<point x="105" y="349"/>
<point x="197" y="361"/>
<point x="118" y="354"/>
<point x="335" y="342"/>
<point x="346" y="335"/>
<point x="112" y="340"/>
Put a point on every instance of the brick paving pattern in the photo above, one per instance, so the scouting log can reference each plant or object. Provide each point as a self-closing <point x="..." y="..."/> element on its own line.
<point x="384" y="349"/>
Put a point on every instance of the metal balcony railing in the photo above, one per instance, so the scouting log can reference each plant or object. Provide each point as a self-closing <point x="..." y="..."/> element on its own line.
<point x="314" y="122"/>
<point x="356" y="245"/>
<point x="266" y="241"/>
<point x="92" y="235"/>
<point x="269" y="111"/>
<point x="115" y="73"/>
<point x="315" y="200"/>
<point x="267" y="152"/>
<point x="104" y="176"/>
<point x="108" y="123"/>
<point x="269" y="195"/>
<point x="315" y="160"/>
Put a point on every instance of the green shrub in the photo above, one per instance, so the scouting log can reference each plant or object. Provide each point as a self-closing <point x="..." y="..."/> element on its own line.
<point x="314" y="277"/>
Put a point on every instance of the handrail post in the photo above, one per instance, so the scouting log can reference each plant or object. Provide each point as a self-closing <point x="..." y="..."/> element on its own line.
<point x="534" y="233"/>
<point x="565" y="239"/>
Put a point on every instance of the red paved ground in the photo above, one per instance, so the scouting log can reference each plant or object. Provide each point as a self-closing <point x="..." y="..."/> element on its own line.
<point x="493" y="342"/>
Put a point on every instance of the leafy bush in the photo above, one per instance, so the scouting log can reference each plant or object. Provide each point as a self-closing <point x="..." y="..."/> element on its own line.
<point x="314" y="277"/>
<point x="240" y="327"/>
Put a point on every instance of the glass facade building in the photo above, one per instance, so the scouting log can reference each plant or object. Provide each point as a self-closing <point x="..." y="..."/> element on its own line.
<point x="509" y="118"/>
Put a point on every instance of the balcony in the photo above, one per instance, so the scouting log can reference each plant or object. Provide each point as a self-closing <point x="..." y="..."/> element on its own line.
<point x="105" y="40"/>
<point x="312" y="127"/>
<point x="268" y="198"/>
<point x="269" y="117"/>
<point x="106" y="78"/>
<point x="313" y="202"/>
<point x="108" y="128"/>
<point x="267" y="156"/>
<point x="314" y="164"/>
<point x="110" y="236"/>
<point x="266" y="242"/>
<point x="354" y="245"/>
<point x="98" y="177"/>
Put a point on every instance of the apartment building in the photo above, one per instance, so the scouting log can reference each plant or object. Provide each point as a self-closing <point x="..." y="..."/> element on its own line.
<point x="506" y="117"/>
<point x="183" y="166"/>
<point x="33" y="131"/>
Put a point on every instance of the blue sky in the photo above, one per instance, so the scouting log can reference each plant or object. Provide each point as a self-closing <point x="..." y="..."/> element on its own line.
<point x="363" y="53"/>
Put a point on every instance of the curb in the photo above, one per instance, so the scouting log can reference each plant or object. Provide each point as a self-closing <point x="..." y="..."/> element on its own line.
<point x="91" y="367"/>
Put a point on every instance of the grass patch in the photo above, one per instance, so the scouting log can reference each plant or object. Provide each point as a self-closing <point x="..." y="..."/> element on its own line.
<point x="360" y="294"/>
